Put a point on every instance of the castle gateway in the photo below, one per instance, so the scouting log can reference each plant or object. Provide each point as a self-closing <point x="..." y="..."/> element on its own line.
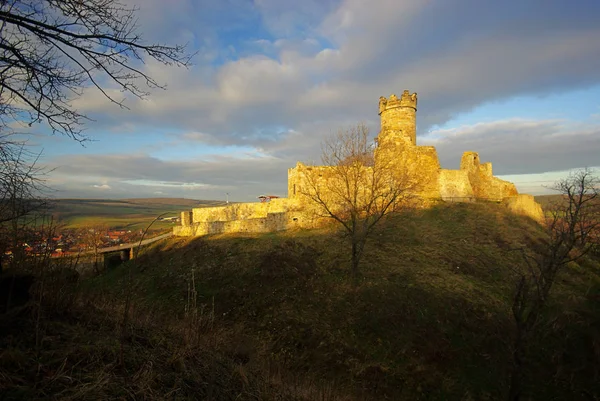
<point x="397" y="149"/>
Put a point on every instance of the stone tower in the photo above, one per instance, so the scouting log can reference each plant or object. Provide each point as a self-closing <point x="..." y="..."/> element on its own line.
<point x="415" y="166"/>
<point x="398" y="118"/>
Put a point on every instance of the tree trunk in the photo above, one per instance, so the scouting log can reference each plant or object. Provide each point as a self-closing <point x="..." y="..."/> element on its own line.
<point x="358" y="244"/>
<point x="355" y="259"/>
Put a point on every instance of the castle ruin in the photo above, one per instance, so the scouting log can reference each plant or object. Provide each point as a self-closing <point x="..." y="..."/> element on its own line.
<point x="397" y="148"/>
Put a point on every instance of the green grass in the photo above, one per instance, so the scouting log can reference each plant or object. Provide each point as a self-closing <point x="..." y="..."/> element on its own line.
<point x="131" y="214"/>
<point x="429" y="319"/>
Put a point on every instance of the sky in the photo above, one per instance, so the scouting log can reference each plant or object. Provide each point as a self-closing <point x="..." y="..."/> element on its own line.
<point x="517" y="81"/>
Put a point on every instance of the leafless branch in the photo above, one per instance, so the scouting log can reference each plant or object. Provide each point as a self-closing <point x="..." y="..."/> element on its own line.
<point x="353" y="188"/>
<point x="572" y="230"/>
<point x="52" y="50"/>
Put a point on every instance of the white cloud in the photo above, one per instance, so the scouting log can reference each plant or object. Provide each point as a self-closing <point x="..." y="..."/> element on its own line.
<point x="102" y="186"/>
<point x="382" y="48"/>
<point x="520" y="146"/>
<point x="142" y="174"/>
<point x="277" y="76"/>
<point x="168" y="184"/>
<point x="285" y="18"/>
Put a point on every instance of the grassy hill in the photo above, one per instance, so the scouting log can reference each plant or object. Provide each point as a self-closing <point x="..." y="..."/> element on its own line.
<point x="121" y="213"/>
<point x="276" y="317"/>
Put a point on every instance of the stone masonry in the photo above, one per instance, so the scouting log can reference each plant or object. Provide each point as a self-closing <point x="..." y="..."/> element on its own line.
<point x="397" y="148"/>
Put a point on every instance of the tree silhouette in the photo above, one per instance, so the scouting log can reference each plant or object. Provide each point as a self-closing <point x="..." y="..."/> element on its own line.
<point x="572" y="231"/>
<point x="353" y="189"/>
<point x="51" y="50"/>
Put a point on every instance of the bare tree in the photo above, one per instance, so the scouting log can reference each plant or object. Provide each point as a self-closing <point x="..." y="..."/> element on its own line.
<point x="572" y="228"/>
<point x="353" y="188"/>
<point x="51" y="50"/>
<point x="21" y="179"/>
<point x="22" y="192"/>
<point x="93" y="237"/>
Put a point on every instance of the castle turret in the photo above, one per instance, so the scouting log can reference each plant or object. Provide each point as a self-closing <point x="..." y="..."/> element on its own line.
<point x="399" y="117"/>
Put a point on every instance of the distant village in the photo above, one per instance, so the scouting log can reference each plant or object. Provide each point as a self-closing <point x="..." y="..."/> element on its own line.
<point x="70" y="242"/>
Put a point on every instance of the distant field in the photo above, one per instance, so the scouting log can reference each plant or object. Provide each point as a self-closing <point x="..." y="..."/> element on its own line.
<point x="548" y="200"/>
<point x="131" y="214"/>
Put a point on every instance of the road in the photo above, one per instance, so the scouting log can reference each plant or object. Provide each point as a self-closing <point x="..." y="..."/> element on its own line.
<point x="133" y="244"/>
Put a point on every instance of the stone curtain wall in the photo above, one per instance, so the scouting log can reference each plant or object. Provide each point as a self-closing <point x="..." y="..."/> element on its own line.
<point x="526" y="205"/>
<point x="239" y="211"/>
<point x="417" y="167"/>
<point x="484" y="184"/>
<point x="455" y="184"/>
<point x="329" y="184"/>
<point x="272" y="222"/>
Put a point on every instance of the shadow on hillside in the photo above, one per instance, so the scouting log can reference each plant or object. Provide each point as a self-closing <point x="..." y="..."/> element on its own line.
<point x="429" y="317"/>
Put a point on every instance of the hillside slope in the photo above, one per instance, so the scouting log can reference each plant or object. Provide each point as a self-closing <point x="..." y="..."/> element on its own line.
<point x="428" y="319"/>
<point x="430" y="316"/>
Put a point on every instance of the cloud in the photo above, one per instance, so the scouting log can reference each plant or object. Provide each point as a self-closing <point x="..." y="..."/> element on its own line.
<point x="285" y="18"/>
<point x="514" y="146"/>
<point x="278" y="76"/>
<point x="133" y="175"/>
<point x="377" y="49"/>
<point x="170" y="184"/>
<point x="520" y="146"/>
<point x="102" y="186"/>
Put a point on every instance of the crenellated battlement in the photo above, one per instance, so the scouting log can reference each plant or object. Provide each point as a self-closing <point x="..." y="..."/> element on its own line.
<point x="398" y="118"/>
<point x="417" y="167"/>
<point x="405" y="100"/>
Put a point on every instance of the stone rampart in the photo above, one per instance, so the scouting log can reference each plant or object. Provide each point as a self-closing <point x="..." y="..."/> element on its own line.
<point x="238" y="211"/>
<point x="186" y="218"/>
<point x="455" y="185"/>
<point x="525" y="204"/>
<point x="272" y="222"/>
<point x="417" y="168"/>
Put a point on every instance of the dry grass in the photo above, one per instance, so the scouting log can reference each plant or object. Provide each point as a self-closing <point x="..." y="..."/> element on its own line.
<point x="80" y="358"/>
<point x="276" y="317"/>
